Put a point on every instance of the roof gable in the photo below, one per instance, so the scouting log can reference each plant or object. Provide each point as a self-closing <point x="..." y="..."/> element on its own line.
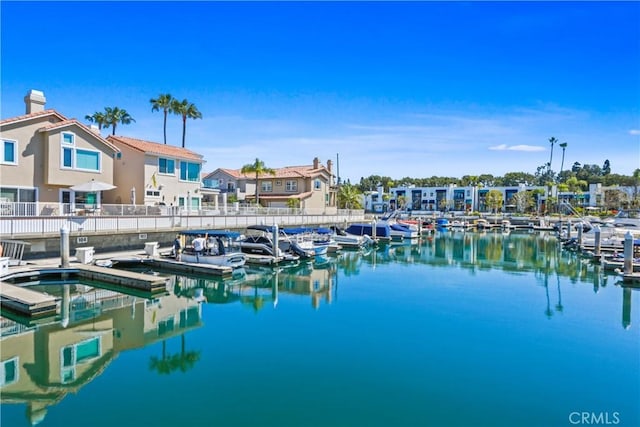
<point x="75" y="123"/>
<point x="38" y="114"/>
<point x="155" y="148"/>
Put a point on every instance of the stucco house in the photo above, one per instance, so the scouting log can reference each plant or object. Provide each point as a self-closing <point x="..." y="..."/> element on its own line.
<point x="150" y="173"/>
<point x="44" y="154"/>
<point x="230" y="181"/>
<point x="310" y="187"/>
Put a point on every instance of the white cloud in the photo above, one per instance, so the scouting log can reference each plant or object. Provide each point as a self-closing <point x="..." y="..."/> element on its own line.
<point x="634" y="132"/>
<point x="499" y="147"/>
<point x="523" y="147"/>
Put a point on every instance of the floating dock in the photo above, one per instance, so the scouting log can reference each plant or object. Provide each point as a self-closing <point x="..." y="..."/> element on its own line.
<point x="192" y="268"/>
<point x="27" y="302"/>
<point x="128" y="279"/>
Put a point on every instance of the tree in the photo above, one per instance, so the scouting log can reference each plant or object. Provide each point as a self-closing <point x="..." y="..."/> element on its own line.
<point x="349" y="197"/>
<point x="97" y="118"/>
<point x="293" y="203"/>
<point x="258" y="168"/>
<point x="494" y="200"/>
<point x="163" y="102"/>
<point x="564" y="147"/>
<point x="606" y="167"/>
<point x="523" y="200"/>
<point x="187" y="110"/>
<point x="552" y="141"/>
<point x="116" y="115"/>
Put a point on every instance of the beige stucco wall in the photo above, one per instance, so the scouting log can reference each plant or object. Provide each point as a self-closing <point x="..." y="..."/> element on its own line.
<point x="55" y="175"/>
<point x="136" y="169"/>
<point x="127" y="174"/>
<point x="39" y="158"/>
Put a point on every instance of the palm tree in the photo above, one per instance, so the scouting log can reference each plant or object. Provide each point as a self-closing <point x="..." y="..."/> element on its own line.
<point x="116" y="115"/>
<point x="98" y="118"/>
<point x="564" y="146"/>
<point x="349" y="197"/>
<point x="552" y="140"/>
<point x="187" y="110"/>
<point x="257" y="167"/>
<point x="163" y="102"/>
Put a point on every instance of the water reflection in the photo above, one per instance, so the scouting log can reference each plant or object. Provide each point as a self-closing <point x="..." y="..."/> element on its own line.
<point x="44" y="361"/>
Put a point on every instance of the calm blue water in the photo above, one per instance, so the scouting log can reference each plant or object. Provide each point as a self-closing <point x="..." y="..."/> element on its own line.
<point x="459" y="330"/>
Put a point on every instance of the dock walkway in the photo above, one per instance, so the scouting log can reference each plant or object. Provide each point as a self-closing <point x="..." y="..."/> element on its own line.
<point x="27" y="302"/>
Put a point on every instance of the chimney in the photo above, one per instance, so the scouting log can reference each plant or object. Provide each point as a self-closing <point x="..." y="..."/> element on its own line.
<point x="330" y="165"/>
<point x="95" y="129"/>
<point x="315" y="162"/>
<point x="35" y="101"/>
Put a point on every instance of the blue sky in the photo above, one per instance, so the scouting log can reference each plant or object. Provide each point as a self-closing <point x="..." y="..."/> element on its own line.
<point x="396" y="89"/>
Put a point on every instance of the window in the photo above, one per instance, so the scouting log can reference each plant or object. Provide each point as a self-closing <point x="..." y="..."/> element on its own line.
<point x="78" y="158"/>
<point x="88" y="160"/>
<point x="77" y="354"/>
<point x="190" y="171"/>
<point x="67" y="157"/>
<point x="317" y="184"/>
<point x="9" y="372"/>
<point x="153" y="193"/>
<point x="68" y="138"/>
<point x="291" y="185"/>
<point x="167" y="166"/>
<point x="278" y="183"/>
<point x="231" y="186"/>
<point x="266" y="186"/>
<point x="9" y="152"/>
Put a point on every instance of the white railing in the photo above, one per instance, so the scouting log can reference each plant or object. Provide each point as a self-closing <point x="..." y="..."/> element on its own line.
<point x="17" y="226"/>
<point x="41" y="209"/>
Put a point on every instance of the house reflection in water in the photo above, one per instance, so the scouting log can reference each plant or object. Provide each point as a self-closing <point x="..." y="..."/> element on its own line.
<point x="257" y="286"/>
<point x="42" y="363"/>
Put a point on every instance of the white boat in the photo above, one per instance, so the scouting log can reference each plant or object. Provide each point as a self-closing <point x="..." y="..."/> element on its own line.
<point x="351" y="241"/>
<point x="258" y="244"/>
<point x="222" y="249"/>
<point x="304" y="238"/>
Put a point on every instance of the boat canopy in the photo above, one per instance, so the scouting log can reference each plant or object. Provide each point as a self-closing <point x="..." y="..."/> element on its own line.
<point x="215" y="233"/>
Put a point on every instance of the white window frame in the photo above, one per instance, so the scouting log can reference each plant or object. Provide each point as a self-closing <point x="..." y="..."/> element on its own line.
<point x="317" y="184"/>
<point x="167" y="173"/>
<point x="3" y="372"/>
<point x="266" y="186"/>
<point x="186" y="164"/>
<point x="72" y="367"/>
<point x="74" y="158"/>
<point x="15" y="151"/>
<point x="291" y="186"/>
<point x="73" y="138"/>
<point x="152" y="193"/>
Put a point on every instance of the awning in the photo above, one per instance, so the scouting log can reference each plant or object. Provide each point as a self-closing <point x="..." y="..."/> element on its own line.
<point x="92" y="186"/>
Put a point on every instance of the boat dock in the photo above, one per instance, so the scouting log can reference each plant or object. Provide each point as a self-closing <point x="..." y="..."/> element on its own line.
<point x="129" y="279"/>
<point x="27" y="302"/>
<point x="188" y="267"/>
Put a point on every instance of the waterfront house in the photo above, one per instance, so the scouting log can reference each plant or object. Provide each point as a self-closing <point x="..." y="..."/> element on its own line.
<point x="149" y="173"/>
<point x="230" y="182"/>
<point x="310" y="187"/>
<point x="44" y="154"/>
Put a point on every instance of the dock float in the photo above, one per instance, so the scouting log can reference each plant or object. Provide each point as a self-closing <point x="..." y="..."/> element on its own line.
<point x="27" y="302"/>
<point x="187" y="267"/>
<point x="124" y="278"/>
<point x="631" y="278"/>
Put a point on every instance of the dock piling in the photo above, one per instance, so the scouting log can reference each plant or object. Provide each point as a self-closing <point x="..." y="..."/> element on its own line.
<point x="628" y="253"/>
<point x="596" y="249"/>
<point x="64" y="247"/>
<point x="579" y="227"/>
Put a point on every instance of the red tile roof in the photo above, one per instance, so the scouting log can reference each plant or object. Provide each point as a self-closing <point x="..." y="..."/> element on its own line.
<point x="286" y="172"/>
<point x="75" y="122"/>
<point x="300" y="196"/>
<point x="155" y="148"/>
<point x="31" y="116"/>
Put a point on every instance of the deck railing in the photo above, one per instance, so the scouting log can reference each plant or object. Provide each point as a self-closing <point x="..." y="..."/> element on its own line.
<point x="42" y="209"/>
<point x="132" y="218"/>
